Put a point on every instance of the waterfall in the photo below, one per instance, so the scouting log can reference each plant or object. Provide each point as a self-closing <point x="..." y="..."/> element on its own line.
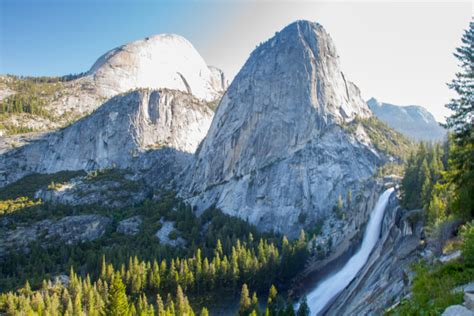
<point x="327" y="290"/>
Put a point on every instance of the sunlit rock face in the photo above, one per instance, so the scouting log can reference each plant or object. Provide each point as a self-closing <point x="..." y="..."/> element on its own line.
<point x="276" y="147"/>
<point x="117" y="135"/>
<point x="161" y="61"/>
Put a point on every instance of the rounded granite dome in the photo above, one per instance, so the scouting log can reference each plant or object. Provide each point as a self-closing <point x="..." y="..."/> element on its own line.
<point x="161" y="61"/>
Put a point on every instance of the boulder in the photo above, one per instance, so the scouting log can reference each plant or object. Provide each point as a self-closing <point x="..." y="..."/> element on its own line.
<point x="457" y="310"/>
<point x="469" y="300"/>
<point x="469" y="288"/>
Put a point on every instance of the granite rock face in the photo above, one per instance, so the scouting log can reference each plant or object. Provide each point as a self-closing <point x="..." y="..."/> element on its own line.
<point x="130" y="226"/>
<point x="165" y="61"/>
<point x="117" y="134"/>
<point x="276" y="146"/>
<point x="161" y="61"/>
<point x="457" y="310"/>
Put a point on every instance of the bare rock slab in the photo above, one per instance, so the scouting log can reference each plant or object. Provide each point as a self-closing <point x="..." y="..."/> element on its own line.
<point x="130" y="226"/>
<point x="457" y="310"/>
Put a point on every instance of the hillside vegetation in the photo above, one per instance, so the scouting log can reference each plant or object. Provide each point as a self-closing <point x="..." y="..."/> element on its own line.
<point x="222" y="253"/>
<point x="439" y="180"/>
<point x="26" y="98"/>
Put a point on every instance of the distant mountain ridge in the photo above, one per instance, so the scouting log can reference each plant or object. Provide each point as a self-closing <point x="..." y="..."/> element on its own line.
<point x="413" y="121"/>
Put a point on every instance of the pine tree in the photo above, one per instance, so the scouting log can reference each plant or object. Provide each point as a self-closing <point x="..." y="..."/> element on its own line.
<point x="461" y="121"/>
<point x="77" y="305"/>
<point x="245" y="302"/>
<point x="289" y="310"/>
<point x="154" y="279"/>
<point x="340" y="204"/>
<point x="219" y="248"/>
<point x="461" y="162"/>
<point x="272" y="294"/>
<point x="160" y="306"/>
<point x="436" y="209"/>
<point x="117" y="299"/>
<point x="69" y="308"/>
<point x="254" y="306"/>
<point x="349" y="199"/>
<point x="180" y="302"/>
<point x="425" y="179"/>
<point x="303" y="310"/>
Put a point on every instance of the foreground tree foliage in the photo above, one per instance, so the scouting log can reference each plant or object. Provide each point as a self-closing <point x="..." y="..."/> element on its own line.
<point x="423" y="180"/>
<point x="434" y="286"/>
<point x="440" y="180"/>
<point x="117" y="302"/>
<point x="442" y="183"/>
<point x="461" y="122"/>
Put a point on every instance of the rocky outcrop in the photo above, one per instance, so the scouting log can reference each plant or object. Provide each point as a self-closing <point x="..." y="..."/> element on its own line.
<point x="218" y="79"/>
<point x="118" y="191"/>
<point x="467" y="308"/>
<point x="165" y="235"/>
<point x="116" y="135"/>
<point x="130" y="226"/>
<point x="276" y="147"/>
<point x="384" y="280"/>
<point x="413" y="121"/>
<point x="457" y="310"/>
<point x="69" y="230"/>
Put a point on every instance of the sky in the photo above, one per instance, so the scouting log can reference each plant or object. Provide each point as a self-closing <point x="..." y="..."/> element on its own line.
<point x="398" y="52"/>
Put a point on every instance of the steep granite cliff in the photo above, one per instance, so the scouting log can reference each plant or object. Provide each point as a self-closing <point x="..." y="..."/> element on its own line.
<point x="118" y="134"/>
<point x="165" y="61"/>
<point x="276" y="147"/>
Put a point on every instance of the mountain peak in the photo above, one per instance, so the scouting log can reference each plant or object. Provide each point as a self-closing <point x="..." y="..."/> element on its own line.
<point x="303" y="25"/>
<point x="303" y="52"/>
<point x="373" y="101"/>
<point x="278" y="125"/>
<point x="414" y="121"/>
<point x="166" y="61"/>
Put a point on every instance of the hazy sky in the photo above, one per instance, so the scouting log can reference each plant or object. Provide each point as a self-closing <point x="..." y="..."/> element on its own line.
<point x="397" y="52"/>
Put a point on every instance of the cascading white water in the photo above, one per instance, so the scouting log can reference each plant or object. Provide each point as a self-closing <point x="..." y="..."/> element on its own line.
<point x="329" y="288"/>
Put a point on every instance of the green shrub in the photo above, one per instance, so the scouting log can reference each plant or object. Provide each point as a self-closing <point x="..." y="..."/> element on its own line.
<point x="433" y="288"/>
<point x="467" y="248"/>
<point x="383" y="137"/>
<point x="173" y="235"/>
